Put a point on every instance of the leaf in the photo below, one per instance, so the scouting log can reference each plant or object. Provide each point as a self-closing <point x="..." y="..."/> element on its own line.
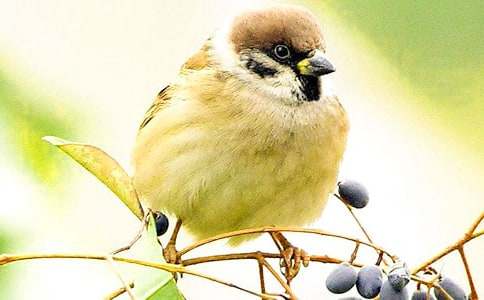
<point x="150" y="283"/>
<point x="105" y="168"/>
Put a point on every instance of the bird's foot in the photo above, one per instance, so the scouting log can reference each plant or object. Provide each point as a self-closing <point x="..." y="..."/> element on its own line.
<point x="292" y="257"/>
<point x="171" y="254"/>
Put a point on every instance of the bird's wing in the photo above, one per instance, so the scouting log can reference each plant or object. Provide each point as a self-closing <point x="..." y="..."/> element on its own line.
<point x="160" y="101"/>
<point x="198" y="61"/>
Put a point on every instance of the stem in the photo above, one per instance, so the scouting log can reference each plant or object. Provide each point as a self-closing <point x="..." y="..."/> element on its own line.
<point x="118" y="292"/>
<point x="260" y="265"/>
<point x="355" y="253"/>
<point x="127" y="287"/>
<point x="468" y="273"/>
<point x="431" y="284"/>
<point x="280" y="229"/>
<point x="367" y="235"/>
<point x="281" y="281"/>
<point x="255" y="255"/>
<point x="469" y="236"/>
<point x="356" y="219"/>
<point x="476" y="224"/>
<point x="5" y="259"/>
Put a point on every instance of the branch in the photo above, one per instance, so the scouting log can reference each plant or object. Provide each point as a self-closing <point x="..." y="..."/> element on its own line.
<point x="281" y="281"/>
<point x="469" y="236"/>
<point x="127" y="287"/>
<point x="468" y="273"/>
<point x="279" y="229"/>
<point x="118" y="292"/>
<point x="459" y="246"/>
<point x="254" y="255"/>
<point x="6" y="259"/>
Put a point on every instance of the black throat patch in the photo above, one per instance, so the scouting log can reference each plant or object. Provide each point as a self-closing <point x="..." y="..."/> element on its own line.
<point x="259" y="68"/>
<point x="311" y="87"/>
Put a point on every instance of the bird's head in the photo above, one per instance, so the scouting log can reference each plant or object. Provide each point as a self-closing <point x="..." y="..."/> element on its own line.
<point x="278" y="51"/>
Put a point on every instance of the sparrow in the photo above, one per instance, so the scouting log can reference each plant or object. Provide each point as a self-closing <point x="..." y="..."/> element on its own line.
<point x="245" y="136"/>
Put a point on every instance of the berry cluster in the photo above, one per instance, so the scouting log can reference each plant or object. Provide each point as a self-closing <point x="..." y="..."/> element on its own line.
<point x="370" y="283"/>
<point x="369" y="280"/>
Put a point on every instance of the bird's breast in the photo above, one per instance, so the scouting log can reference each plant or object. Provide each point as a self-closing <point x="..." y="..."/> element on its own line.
<point x="222" y="170"/>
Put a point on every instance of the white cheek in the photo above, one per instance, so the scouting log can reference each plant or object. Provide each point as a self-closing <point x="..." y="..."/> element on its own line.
<point x="280" y="87"/>
<point x="283" y="86"/>
<point x="222" y="50"/>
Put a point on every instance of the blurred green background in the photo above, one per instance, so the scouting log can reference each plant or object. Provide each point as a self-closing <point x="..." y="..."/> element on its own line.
<point x="435" y="48"/>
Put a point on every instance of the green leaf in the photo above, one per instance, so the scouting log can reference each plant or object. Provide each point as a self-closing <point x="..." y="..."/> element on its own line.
<point x="104" y="167"/>
<point x="150" y="283"/>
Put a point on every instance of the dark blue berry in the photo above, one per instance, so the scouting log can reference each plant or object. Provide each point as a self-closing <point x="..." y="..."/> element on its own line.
<point x="369" y="281"/>
<point x="161" y="223"/>
<point x="353" y="193"/>
<point x="452" y="288"/>
<point x="341" y="279"/>
<point x="421" y="295"/>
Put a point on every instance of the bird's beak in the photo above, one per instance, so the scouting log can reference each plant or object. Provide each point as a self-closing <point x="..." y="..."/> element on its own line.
<point x="316" y="65"/>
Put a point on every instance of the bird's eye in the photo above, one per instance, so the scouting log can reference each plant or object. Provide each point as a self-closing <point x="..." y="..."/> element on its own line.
<point x="282" y="52"/>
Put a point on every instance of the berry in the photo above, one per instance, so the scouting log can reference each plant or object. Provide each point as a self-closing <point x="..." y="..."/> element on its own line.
<point x="421" y="295"/>
<point x="161" y="223"/>
<point x="399" y="276"/>
<point x="353" y="193"/>
<point x="369" y="281"/>
<point x="389" y="293"/>
<point x="341" y="279"/>
<point x="452" y="288"/>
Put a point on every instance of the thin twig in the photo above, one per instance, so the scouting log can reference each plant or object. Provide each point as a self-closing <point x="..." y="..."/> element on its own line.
<point x="380" y="258"/>
<point x="280" y="229"/>
<point x="469" y="236"/>
<point x="431" y="284"/>
<point x="355" y="253"/>
<point x="367" y="235"/>
<point x="281" y="281"/>
<point x="110" y="261"/>
<point x="133" y="241"/>
<point x="446" y="294"/>
<point x="254" y="255"/>
<point x="6" y="258"/>
<point x="260" y="265"/>
<point x="355" y="218"/>
<point x="468" y="273"/>
<point x="475" y="224"/>
<point x="118" y="292"/>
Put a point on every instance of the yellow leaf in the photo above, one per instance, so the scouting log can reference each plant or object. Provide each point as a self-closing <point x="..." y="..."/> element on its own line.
<point x="104" y="167"/>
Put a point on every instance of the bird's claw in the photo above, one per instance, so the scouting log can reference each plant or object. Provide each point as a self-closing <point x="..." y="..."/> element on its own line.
<point x="292" y="258"/>
<point x="171" y="254"/>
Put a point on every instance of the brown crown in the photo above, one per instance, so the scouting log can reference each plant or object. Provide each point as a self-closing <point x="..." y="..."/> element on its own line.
<point x="262" y="29"/>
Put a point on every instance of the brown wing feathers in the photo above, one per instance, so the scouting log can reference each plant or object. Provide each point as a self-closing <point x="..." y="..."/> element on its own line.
<point x="160" y="101"/>
<point x="197" y="62"/>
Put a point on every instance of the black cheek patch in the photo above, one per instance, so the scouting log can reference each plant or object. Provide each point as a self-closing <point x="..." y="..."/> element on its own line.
<point x="259" y="68"/>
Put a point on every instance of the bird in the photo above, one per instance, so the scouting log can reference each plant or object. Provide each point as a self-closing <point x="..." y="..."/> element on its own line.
<point x="245" y="136"/>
